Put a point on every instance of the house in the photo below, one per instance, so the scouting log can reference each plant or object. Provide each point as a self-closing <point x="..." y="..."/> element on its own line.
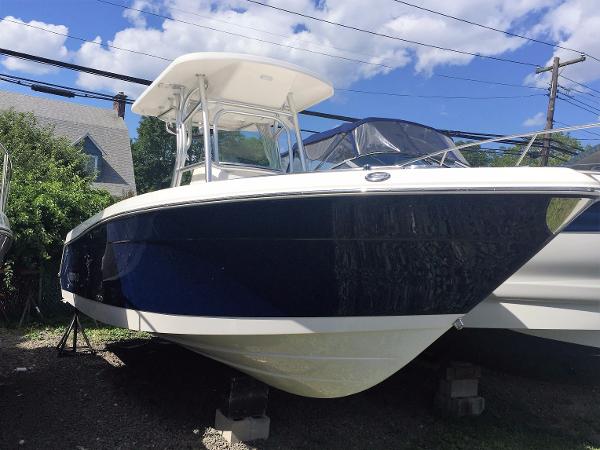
<point x="101" y="132"/>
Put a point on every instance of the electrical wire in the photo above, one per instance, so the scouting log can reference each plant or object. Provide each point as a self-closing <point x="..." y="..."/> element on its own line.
<point x="461" y="97"/>
<point x="498" y="30"/>
<point x="581" y="103"/>
<point x="69" y="36"/>
<point x="76" y="67"/>
<point x="76" y="92"/>
<point x="452" y="77"/>
<point x="295" y="38"/>
<point x="9" y="78"/>
<point x="585" y="131"/>
<point x="581" y="84"/>
<point x="231" y="33"/>
<point x="397" y="38"/>
<point x="576" y="105"/>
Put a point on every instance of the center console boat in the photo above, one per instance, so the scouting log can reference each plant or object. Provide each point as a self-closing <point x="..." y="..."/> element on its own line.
<point x="320" y="283"/>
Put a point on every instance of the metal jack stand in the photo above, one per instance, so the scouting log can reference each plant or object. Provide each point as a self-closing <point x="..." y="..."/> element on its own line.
<point x="74" y="326"/>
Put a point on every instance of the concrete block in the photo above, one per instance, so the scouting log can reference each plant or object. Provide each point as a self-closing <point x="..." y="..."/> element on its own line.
<point x="461" y="407"/>
<point x="461" y="370"/>
<point x="242" y="430"/>
<point x="459" y="388"/>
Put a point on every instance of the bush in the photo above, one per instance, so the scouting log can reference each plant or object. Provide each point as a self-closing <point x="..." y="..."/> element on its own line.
<point x="50" y="193"/>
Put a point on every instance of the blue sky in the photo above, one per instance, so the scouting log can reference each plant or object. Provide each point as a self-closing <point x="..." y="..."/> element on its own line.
<point x="414" y="70"/>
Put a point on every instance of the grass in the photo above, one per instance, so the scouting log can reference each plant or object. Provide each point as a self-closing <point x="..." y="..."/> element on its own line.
<point x="97" y="332"/>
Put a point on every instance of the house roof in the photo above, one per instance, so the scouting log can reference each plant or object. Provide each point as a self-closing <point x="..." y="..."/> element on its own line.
<point x="72" y="121"/>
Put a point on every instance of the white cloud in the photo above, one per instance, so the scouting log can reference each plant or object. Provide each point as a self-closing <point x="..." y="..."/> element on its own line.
<point x="136" y="16"/>
<point x="172" y="39"/>
<point x="573" y="24"/>
<point x="536" y="121"/>
<point x="32" y="40"/>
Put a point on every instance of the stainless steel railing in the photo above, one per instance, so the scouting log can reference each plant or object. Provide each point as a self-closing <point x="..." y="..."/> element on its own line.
<point x="6" y="175"/>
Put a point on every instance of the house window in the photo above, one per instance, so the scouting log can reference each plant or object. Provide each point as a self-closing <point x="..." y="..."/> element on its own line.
<point x="93" y="165"/>
<point x="94" y="156"/>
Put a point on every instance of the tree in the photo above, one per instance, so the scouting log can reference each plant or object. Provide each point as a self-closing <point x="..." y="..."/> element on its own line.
<point x="563" y="146"/>
<point x="50" y="193"/>
<point x="154" y="153"/>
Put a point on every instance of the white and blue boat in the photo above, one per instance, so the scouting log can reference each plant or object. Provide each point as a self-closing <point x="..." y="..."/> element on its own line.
<point x="320" y="283"/>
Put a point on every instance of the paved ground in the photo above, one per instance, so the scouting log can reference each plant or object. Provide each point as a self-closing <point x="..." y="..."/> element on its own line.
<point x="145" y="394"/>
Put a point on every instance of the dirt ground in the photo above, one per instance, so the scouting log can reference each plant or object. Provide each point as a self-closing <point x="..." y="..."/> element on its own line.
<point x="143" y="393"/>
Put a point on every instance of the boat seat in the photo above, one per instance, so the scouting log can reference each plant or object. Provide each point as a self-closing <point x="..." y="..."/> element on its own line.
<point x="221" y="172"/>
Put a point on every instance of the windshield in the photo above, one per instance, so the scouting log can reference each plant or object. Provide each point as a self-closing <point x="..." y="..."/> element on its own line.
<point x="385" y="142"/>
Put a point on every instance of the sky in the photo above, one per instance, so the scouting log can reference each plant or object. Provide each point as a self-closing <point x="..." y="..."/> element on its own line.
<point x="150" y="33"/>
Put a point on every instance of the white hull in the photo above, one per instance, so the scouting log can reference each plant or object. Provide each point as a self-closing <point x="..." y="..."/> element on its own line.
<point x="313" y="357"/>
<point x="556" y="295"/>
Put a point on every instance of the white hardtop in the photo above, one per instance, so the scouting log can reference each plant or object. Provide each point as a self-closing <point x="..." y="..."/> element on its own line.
<point x="240" y="78"/>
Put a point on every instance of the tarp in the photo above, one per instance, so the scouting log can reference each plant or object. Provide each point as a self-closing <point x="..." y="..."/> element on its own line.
<point x="389" y="141"/>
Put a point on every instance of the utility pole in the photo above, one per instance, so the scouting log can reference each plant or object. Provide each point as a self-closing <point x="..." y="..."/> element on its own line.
<point x="552" y="100"/>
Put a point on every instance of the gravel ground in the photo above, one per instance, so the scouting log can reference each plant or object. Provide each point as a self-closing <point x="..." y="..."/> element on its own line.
<point x="147" y="394"/>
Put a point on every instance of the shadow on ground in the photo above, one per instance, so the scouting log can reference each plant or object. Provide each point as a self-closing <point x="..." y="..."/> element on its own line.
<point x="151" y="394"/>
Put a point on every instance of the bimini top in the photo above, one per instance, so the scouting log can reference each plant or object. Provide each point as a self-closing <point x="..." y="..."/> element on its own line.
<point x="376" y="142"/>
<point x="255" y="80"/>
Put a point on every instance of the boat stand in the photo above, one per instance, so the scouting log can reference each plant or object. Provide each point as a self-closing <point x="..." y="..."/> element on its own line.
<point x="74" y="326"/>
<point x="241" y="417"/>
<point x="458" y="395"/>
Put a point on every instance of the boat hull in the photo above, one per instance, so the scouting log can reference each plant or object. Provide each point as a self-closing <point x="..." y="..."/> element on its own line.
<point x="556" y="295"/>
<point x="323" y="288"/>
<point x="313" y="357"/>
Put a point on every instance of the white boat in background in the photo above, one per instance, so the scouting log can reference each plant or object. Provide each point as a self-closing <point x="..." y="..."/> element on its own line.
<point x="556" y="295"/>
<point x="322" y="284"/>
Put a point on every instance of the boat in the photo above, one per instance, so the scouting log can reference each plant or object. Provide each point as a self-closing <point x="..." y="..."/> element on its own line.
<point x="556" y="295"/>
<point x="6" y="235"/>
<point x="319" y="283"/>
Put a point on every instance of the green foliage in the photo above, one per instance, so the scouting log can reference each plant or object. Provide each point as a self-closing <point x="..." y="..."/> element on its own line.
<point x="154" y="153"/>
<point x="508" y="156"/>
<point x="237" y="148"/>
<point x="50" y="193"/>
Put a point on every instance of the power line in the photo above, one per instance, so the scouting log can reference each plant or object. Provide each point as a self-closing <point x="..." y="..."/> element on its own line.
<point x="84" y="40"/>
<point x="498" y="30"/>
<point x="231" y="33"/>
<point x="590" y="96"/>
<point x="452" y="77"/>
<point x="580" y="84"/>
<point x="66" y="65"/>
<point x="461" y="97"/>
<point x="374" y="33"/>
<point x="295" y="38"/>
<point x="576" y="105"/>
<point x="130" y="79"/>
<point x="580" y="102"/>
<point x="586" y="131"/>
<point x="76" y="92"/>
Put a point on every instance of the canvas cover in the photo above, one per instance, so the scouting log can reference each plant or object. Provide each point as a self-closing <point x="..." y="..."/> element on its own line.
<point x="386" y="141"/>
